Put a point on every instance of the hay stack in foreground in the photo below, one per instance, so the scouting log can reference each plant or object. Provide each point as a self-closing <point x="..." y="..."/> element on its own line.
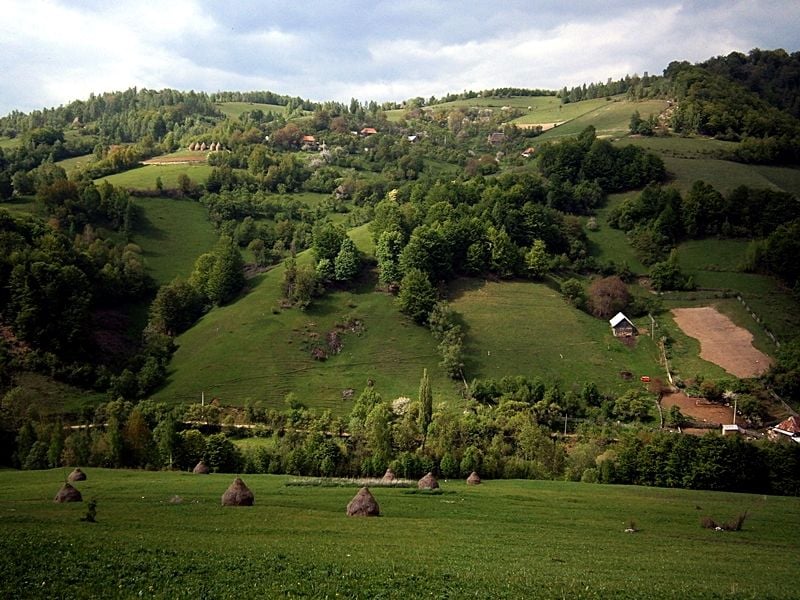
<point x="428" y="482"/>
<point x="76" y="475"/>
<point x="238" y="494"/>
<point x="389" y="476"/>
<point x="473" y="479"/>
<point x="363" y="504"/>
<point x="201" y="468"/>
<point x="67" y="493"/>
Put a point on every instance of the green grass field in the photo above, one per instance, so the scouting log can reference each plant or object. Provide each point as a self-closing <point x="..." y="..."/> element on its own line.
<point x="609" y="118"/>
<point x="6" y="142"/>
<point x="502" y="539"/>
<point x="609" y="244"/>
<point x="253" y="350"/>
<point x="233" y="110"/>
<point x="678" y="146"/>
<point x="73" y="164"/>
<point x="524" y="328"/>
<point x="173" y="233"/>
<point x="144" y="177"/>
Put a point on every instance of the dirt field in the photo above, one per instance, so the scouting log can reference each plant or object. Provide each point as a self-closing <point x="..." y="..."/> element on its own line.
<point x="721" y="341"/>
<point x="698" y="408"/>
<point x="544" y="126"/>
<point x="198" y="158"/>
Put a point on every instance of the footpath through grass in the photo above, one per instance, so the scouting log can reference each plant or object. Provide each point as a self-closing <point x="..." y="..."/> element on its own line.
<point x="502" y="539"/>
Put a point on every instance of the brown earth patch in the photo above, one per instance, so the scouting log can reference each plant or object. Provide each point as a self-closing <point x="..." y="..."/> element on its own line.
<point x="544" y="126"/>
<point x="722" y="342"/>
<point x="177" y="160"/>
<point x="697" y="408"/>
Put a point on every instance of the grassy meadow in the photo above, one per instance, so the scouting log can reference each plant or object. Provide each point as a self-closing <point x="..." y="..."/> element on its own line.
<point x="609" y="118"/>
<point x="524" y="328"/>
<point x="255" y="350"/>
<point x="144" y="177"/>
<point x="172" y="234"/>
<point x="502" y="539"/>
<point x="234" y="110"/>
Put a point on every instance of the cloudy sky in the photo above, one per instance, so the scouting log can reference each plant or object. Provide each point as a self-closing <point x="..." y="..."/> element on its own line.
<point x="52" y="52"/>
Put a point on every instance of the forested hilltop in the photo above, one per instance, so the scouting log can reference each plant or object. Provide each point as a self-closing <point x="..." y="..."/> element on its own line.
<point x="423" y="284"/>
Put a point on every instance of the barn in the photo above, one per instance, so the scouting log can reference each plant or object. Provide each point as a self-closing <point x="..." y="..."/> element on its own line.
<point x="622" y="326"/>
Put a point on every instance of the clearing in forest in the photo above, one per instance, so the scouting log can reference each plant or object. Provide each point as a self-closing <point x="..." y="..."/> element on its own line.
<point x="722" y="341"/>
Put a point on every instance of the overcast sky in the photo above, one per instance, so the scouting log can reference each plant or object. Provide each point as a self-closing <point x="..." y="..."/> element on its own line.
<point x="53" y="52"/>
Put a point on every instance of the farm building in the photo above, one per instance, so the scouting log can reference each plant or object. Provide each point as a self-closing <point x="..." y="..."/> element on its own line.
<point x="309" y="142"/>
<point x="368" y="131"/>
<point x="622" y="326"/>
<point x="497" y="137"/>
<point x="528" y="152"/>
<point x="788" y="427"/>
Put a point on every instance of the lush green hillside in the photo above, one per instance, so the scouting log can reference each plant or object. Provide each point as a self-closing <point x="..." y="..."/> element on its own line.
<point x="144" y="177"/>
<point x="254" y="350"/>
<point x="609" y="118"/>
<point x="233" y="110"/>
<point x="172" y="234"/>
<point x="523" y="328"/>
<point x="504" y="539"/>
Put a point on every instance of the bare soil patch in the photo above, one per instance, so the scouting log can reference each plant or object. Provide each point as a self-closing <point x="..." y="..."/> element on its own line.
<point x="722" y="341"/>
<point x="190" y="159"/>
<point x="698" y="409"/>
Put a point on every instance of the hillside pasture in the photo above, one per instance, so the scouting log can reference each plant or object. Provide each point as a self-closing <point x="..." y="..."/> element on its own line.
<point x="609" y="244"/>
<point x="76" y="163"/>
<point x="172" y="234"/>
<point x="144" y="177"/>
<point x="504" y="539"/>
<point x="256" y="350"/>
<point x="234" y="110"/>
<point x="714" y="265"/>
<point x="523" y="328"/>
<point x="609" y="118"/>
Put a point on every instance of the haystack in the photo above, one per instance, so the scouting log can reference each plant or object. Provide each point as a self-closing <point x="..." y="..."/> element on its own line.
<point x="201" y="468"/>
<point x="428" y="482"/>
<point x="473" y="479"/>
<point x="363" y="504"/>
<point x="67" y="493"/>
<point x="238" y="494"/>
<point x="76" y="475"/>
<point x="389" y="476"/>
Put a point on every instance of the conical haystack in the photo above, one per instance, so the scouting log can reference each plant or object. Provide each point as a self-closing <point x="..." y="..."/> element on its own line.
<point x="238" y="494"/>
<point x="428" y="482"/>
<point x="473" y="479"/>
<point x="67" y="493"/>
<point x="389" y="476"/>
<point x="363" y="504"/>
<point x="201" y="468"/>
<point x="76" y="475"/>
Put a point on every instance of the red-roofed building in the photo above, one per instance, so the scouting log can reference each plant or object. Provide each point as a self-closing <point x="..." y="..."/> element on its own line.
<point x="369" y="131"/>
<point x="788" y="427"/>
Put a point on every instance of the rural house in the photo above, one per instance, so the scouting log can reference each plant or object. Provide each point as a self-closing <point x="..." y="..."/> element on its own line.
<point x="368" y="131"/>
<point x="788" y="427"/>
<point x="497" y="137"/>
<point x="622" y="326"/>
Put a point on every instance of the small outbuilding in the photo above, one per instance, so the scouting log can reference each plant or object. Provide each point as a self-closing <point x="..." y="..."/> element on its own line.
<point x="473" y="479"/>
<point x="363" y="504"/>
<point x="622" y="326"/>
<point x="67" y="493"/>
<point x="238" y="494"/>
<point x="76" y="475"/>
<point x="428" y="482"/>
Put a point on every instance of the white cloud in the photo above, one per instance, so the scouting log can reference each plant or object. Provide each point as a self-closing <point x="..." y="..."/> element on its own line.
<point x="52" y="52"/>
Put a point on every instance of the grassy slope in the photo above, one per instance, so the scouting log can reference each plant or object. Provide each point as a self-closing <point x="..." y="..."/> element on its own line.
<point x="609" y="118"/>
<point x="504" y="539"/>
<point x="75" y="163"/>
<point x="233" y="110"/>
<point x="173" y="234"/>
<point x="144" y="177"/>
<point x="523" y="328"/>
<point x="253" y="350"/>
